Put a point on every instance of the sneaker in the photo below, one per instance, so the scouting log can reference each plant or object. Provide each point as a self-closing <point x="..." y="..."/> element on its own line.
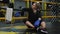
<point x="37" y="28"/>
<point x="44" y="31"/>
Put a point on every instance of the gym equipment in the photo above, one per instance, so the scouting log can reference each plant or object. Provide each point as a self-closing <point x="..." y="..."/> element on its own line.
<point x="17" y="14"/>
<point x="13" y="29"/>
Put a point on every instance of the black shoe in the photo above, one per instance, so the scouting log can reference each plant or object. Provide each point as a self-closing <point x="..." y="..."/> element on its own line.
<point x="44" y="31"/>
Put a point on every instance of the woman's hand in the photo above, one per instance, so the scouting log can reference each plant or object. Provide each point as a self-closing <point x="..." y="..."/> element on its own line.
<point x="39" y="18"/>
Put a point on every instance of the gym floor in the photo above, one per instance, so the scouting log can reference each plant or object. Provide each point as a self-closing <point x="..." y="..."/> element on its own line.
<point x="20" y="28"/>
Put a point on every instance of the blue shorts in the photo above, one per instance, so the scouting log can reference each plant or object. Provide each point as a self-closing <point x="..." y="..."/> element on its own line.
<point x="32" y="22"/>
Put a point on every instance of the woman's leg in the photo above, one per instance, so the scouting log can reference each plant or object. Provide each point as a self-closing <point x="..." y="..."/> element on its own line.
<point x="43" y="24"/>
<point x="29" y="24"/>
<point x="43" y="27"/>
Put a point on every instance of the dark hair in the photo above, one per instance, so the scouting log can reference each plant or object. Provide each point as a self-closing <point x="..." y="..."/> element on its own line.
<point x="33" y="3"/>
<point x="37" y="4"/>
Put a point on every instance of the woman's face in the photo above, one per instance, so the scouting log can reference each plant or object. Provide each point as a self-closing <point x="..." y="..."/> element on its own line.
<point x="34" y="6"/>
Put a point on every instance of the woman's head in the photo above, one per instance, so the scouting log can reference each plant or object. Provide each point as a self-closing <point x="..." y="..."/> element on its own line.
<point x="35" y="5"/>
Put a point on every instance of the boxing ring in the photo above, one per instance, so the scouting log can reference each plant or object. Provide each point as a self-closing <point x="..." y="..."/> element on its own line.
<point x="50" y="16"/>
